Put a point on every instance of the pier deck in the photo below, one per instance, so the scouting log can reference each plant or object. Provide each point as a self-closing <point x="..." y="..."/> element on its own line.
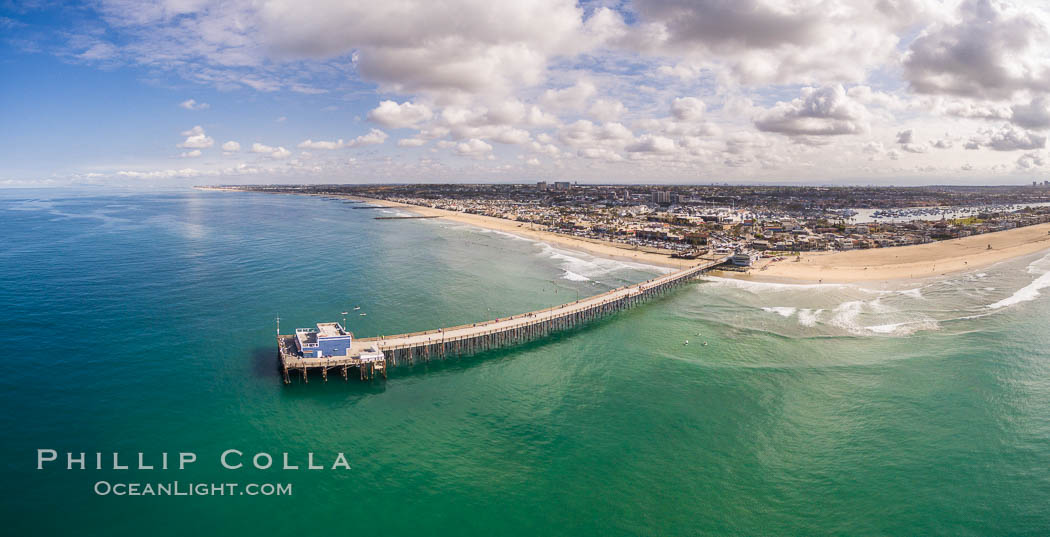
<point x="477" y="337"/>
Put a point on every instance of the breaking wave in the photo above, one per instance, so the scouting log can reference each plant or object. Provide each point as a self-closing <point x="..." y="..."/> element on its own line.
<point x="1030" y="291"/>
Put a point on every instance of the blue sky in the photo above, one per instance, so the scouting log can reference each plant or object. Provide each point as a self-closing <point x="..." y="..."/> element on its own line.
<point x="178" y="92"/>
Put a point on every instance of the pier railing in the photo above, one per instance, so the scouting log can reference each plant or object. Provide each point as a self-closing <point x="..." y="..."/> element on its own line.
<point x="466" y="339"/>
<point x="520" y="328"/>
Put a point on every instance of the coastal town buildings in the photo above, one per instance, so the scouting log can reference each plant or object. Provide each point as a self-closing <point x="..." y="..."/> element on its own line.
<point x="689" y="220"/>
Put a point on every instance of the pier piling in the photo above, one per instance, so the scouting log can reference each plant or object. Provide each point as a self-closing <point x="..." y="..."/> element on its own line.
<point x="407" y="349"/>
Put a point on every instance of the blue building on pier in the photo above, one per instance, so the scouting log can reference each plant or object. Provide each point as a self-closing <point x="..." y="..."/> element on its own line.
<point x="329" y="339"/>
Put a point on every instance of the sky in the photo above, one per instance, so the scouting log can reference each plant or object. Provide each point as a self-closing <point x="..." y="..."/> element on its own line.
<point x="185" y="92"/>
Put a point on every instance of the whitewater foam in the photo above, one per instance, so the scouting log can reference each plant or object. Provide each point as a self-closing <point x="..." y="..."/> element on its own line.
<point x="1024" y="294"/>
<point x="1031" y="291"/>
<point x="914" y="293"/>
<point x="590" y="267"/>
<point x="808" y="317"/>
<point x="570" y="275"/>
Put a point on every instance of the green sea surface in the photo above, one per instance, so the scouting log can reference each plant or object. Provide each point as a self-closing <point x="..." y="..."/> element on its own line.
<point x="140" y="321"/>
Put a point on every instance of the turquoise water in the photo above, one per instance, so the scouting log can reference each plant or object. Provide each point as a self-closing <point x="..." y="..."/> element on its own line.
<point x="143" y="322"/>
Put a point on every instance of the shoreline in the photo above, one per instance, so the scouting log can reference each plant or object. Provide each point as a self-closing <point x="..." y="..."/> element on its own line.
<point x="873" y="265"/>
<point x="609" y="250"/>
<point x="904" y="263"/>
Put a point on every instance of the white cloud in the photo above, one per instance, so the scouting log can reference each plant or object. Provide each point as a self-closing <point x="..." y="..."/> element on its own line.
<point x="472" y="148"/>
<point x="989" y="49"/>
<point x="573" y="97"/>
<point x="778" y="41"/>
<point x="196" y="139"/>
<point x="1029" y="161"/>
<point x="192" y="104"/>
<point x="411" y="142"/>
<point x="512" y="136"/>
<point x="905" y="140"/>
<point x="270" y="151"/>
<point x="1007" y="138"/>
<point x="191" y="154"/>
<point x="321" y="144"/>
<point x="599" y="153"/>
<point x="687" y="108"/>
<point x="1034" y="115"/>
<point x="373" y="137"/>
<point x="607" y="109"/>
<point x="825" y="111"/>
<point x="678" y="87"/>
<point x="652" y="144"/>
<point x="399" y="116"/>
<point x="231" y="147"/>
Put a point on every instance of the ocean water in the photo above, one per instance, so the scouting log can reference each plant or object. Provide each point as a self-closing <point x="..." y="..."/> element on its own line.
<point x="144" y="322"/>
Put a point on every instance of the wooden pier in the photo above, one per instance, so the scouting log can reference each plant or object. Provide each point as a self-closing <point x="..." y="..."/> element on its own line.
<point x="407" y="349"/>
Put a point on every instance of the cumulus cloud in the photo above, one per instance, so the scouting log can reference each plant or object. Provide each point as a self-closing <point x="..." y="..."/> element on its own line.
<point x="649" y="143"/>
<point x="824" y="111"/>
<point x="411" y="142"/>
<point x="975" y="110"/>
<point x="578" y="84"/>
<point x="990" y="49"/>
<point x="191" y="154"/>
<point x="472" y="148"/>
<point x="1007" y="138"/>
<point x="192" y="104"/>
<point x="321" y="144"/>
<point x="373" y="137"/>
<point x="607" y="109"/>
<point x="773" y="40"/>
<point x="687" y="108"/>
<point x="583" y="133"/>
<point x="196" y="139"/>
<point x="270" y="151"/>
<point x="599" y="153"/>
<point x="512" y="136"/>
<point x="905" y="140"/>
<point x="943" y="143"/>
<point x="399" y="116"/>
<point x="1034" y="115"/>
<point x="573" y="97"/>
<point x="1029" y="161"/>
<point x="485" y="47"/>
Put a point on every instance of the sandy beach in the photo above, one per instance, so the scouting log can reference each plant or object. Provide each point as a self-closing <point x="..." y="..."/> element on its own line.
<point x="870" y="265"/>
<point x="611" y="250"/>
<point x="906" y="262"/>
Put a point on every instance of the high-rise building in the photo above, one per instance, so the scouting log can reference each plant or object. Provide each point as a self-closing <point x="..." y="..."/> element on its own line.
<point x="562" y="185"/>
<point x="541" y="185"/>
<point x="662" y="196"/>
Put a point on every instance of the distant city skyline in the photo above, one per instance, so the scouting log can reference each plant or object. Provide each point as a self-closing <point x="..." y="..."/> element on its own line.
<point x="183" y="92"/>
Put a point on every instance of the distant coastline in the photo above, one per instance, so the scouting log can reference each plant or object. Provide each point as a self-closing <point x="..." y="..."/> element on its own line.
<point x="872" y="265"/>
<point x="611" y="250"/>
